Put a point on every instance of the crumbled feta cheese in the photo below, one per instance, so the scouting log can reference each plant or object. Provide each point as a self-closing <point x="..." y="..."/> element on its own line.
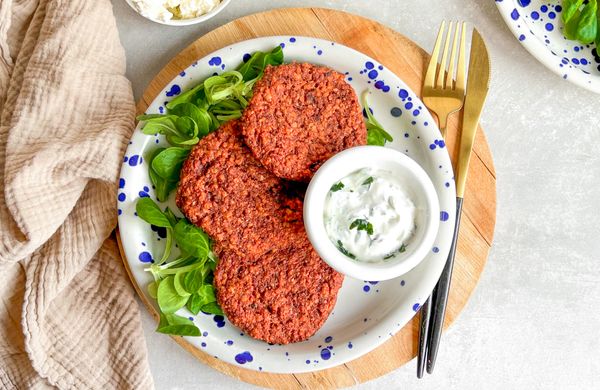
<point x="165" y="10"/>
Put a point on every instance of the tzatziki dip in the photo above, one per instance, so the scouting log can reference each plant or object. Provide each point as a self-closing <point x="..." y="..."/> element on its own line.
<point x="369" y="216"/>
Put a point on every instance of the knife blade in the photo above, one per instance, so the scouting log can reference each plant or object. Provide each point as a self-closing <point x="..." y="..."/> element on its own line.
<point x="478" y="82"/>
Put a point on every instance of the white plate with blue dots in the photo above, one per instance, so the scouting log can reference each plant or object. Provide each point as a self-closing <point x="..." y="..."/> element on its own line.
<point x="539" y="28"/>
<point x="367" y="313"/>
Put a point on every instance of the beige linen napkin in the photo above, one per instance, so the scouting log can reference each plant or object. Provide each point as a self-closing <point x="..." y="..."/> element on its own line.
<point x="68" y="317"/>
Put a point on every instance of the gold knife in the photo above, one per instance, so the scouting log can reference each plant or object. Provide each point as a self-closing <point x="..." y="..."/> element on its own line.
<point x="478" y="81"/>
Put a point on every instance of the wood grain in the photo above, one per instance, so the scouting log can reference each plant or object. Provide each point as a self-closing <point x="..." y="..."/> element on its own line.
<point x="408" y="61"/>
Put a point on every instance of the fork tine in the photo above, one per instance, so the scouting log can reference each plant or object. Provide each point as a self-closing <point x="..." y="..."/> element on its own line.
<point x="431" y="69"/>
<point x="451" y="66"/>
<point x="442" y="72"/>
<point x="460" y="72"/>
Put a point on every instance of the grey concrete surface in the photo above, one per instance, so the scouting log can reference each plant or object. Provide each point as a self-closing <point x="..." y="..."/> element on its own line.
<point x="533" y="321"/>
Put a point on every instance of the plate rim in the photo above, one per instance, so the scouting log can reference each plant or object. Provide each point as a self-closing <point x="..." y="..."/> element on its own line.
<point x="543" y="54"/>
<point x="443" y="251"/>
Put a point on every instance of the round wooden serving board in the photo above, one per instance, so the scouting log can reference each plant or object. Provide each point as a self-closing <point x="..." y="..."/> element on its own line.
<point x="408" y="61"/>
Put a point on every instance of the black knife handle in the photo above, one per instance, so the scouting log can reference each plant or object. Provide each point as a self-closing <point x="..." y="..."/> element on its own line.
<point x="438" y="309"/>
<point x="423" y="337"/>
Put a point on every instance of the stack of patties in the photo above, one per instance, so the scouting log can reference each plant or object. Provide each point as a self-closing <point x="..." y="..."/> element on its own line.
<point x="269" y="280"/>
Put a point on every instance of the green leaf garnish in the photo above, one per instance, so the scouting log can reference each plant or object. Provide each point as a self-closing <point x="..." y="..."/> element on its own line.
<point x="168" y="162"/>
<point x="193" y="280"/>
<point x="178" y="283"/>
<point x="177" y="325"/>
<point x="581" y="21"/>
<point x="169" y="299"/>
<point x="162" y="186"/>
<point x="362" y="224"/>
<point x="402" y="249"/>
<point x="337" y="186"/>
<point x="212" y="308"/>
<point x="341" y="248"/>
<point x="149" y="211"/>
<point x="376" y="135"/>
<point x="191" y="239"/>
<point x="256" y="64"/>
<point x="368" y="181"/>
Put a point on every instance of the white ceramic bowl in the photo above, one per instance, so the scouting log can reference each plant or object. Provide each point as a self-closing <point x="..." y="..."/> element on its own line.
<point x="184" y="22"/>
<point x="419" y="188"/>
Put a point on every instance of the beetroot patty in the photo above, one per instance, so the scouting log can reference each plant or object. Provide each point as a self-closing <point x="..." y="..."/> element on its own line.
<point x="224" y="190"/>
<point x="282" y="297"/>
<point x="299" y="116"/>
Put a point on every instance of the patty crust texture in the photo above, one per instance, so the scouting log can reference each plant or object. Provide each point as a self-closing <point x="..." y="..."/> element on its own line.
<point x="225" y="191"/>
<point x="299" y="116"/>
<point x="282" y="297"/>
<point x="269" y="280"/>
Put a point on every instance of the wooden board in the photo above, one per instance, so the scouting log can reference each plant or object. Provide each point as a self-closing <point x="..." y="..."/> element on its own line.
<point x="408" y="61"/>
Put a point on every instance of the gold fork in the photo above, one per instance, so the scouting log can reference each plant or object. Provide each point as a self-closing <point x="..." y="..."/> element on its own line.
<point x="443" y="94"/>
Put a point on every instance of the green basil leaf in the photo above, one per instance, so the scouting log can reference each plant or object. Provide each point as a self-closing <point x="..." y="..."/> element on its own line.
<point x="150" y="212"/>
<point x="171" y="217"/>
<point x="150" y="117"/>
<point x="194" y="304"/>
<point x="201" y="101"/>
<point x="570" y="8"/>
<point x="362" y="224"/>
<point x="167" y="163"/>
<point x="258" y="61"/>
<point x="204" y="123"/>
<point x="162" y="187"/>
<point x="183" y="142"/>
<point x="376" y="135"/>
<point x="191" y="240"/>
<point x="200" y="299"/>
<point x="212" y="266"/>
<point x="177" y="325"/>
<point x="337" y="186"/>
<point x="587" y="27"/>
<point x="212" y="308"/>
<point x="228" y="109"/>
<point x="214" y="122"/>
<point x="344" y="250"/>
<point x="153" y="289"/>
<point x="165" y="125"/>
<point x="597" y="40"/>
<point x="191" y="111"/>
<point x="188" y="96"/>
<point x="193" y="280"/>
<point x="224" y="86"/>
<point x="229" y="117"/>
<point x="186" y="127"/>
<point x="214" y="81"/>
<point x="169" y="300"/>
<point x="570" y="29"/>
<point x="207" y="292"/>
<point x="179" y="284"/>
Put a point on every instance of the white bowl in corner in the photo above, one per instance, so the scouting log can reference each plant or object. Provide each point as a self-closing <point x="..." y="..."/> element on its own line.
<point x="419" y="188"/>
<point x="183" y="22"/>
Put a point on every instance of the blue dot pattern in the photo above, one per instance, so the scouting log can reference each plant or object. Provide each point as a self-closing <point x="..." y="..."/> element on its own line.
<point x="244" y="357"/>
<point x="174" y="91"/>
<point x="538" y="23"/>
